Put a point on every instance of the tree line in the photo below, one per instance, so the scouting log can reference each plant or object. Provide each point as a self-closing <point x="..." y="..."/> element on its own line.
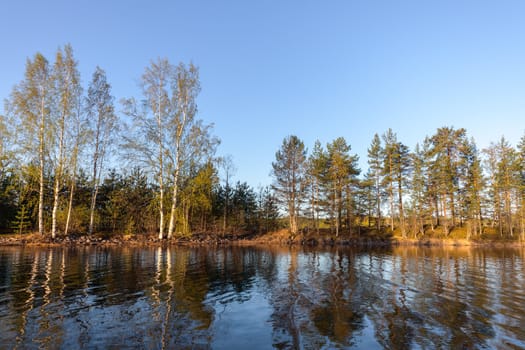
<point x="59" y="144"/>
<point x="60" y="141"/>
<point x="444" y="184"/>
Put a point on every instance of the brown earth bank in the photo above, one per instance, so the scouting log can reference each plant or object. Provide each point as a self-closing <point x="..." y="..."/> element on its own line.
<point x="281" y="237"/>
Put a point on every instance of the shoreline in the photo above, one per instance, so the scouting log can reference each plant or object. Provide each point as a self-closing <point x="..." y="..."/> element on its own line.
<point x="35" y="240"/>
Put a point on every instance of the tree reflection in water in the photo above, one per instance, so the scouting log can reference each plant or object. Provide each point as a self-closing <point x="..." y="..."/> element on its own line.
<point x="280" y="297"/>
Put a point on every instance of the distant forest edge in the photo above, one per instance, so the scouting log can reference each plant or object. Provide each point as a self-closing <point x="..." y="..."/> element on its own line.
<point x="58" y="174"/>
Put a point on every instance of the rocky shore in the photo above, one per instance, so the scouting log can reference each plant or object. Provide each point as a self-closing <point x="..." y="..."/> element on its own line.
<point x="275" y="238"/>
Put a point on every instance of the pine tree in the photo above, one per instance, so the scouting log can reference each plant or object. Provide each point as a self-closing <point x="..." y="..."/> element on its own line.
<point x="445" y="152"/>
<point x="22" y="219"/>
<point x="388" y="155"/>
<point x="316" y="175"/>
<point x="374" y="162"/>
<point x="506" y="177"/>
<point x="288" y="173"/>
<point x="402" y="163"/>
<point x="473" y="187"/>
<point x="520" y="168"/>
<point x="418" y="184"/>
<point x="342" y="173"/>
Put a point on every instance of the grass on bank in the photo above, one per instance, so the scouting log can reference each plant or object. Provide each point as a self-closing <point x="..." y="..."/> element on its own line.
<point x="282" y="236"/>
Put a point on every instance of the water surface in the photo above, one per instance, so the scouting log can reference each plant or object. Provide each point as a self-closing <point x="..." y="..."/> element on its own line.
<point x="261" y="298"/>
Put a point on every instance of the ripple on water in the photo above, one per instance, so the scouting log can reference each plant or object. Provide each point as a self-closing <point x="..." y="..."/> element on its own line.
<point x="237" y="297"/>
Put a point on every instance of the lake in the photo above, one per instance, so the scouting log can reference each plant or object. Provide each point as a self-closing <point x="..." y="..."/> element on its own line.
<point x="261" y="298"/>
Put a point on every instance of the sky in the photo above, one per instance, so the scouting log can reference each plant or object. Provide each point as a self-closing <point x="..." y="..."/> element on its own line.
<point x="315" y="69"/>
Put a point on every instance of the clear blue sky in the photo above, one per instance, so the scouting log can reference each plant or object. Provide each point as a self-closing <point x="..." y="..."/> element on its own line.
<point x="317" y="69"/>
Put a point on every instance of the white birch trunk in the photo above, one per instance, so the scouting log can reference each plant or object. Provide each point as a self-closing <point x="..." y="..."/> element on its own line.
<point x="41" y="180"/>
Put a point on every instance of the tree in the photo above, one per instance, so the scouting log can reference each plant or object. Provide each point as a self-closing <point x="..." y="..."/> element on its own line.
<point x="103" y="124"/>
<point x="288" y="173"/>
<point x="5" y="140"/>
<point x="365" y="198"/>
<point x="197" y="200"/>
<point x="445" y="150"/>
<point x="521" y="184"/>
<point x="30" y="103"/>
<point x="315" y="175"/>
<point x="502" y="167"/>
<point x="268" y="210"/>
<point x="79" y="136"/>
<point x="244" y="202"/>
<point x="418" y="191"/>
<point x="491" y="166"/>
<point x="8" y="177"/>
<point x="474" y="184"/>
<point x="151" y="123"/>
<point x="390" y="140"/>
<point x="374" y="162"/>
<point x="66" y="80"/>
<point x="342" y="172"/>
<point x="163" y="128"/>
<point x="197" y="150"/>
<point x="183" y="128"/>
<point x="402" y="163"/>
<point x="228" y="169"/>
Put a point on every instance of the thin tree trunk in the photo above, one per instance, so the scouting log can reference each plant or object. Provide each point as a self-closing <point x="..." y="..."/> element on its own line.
<point x="42" y="161"/>
<point x="72" y="188"/>
<point x="55" y="208"/>
<point x="178" y="141"/>
<point x="378" y="198"/>
<point x="70" y="204"/>
<point x="161" y="187"/>
<point x="317" y="207"/>
<point x="96" y="178"/>
<point x="226" y="204"/>
<point x="401" y="212"/>
<point x="58" y="179"/>
<point x="391" y="199"/>
<point x="174" y="201"/>
<point x="92" y="208"/>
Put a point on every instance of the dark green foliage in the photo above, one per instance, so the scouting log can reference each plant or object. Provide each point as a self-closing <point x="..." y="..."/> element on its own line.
<point x="8" y="200"/>
<point x="247" y="211"/>
<point x="45" y="157"/>
<point x="289" y="172"/>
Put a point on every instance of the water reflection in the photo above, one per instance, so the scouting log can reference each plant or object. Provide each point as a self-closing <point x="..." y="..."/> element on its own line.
<point x="284" y="298"/>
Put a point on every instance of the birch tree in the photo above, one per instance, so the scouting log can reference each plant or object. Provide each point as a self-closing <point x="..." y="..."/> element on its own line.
<point x="30" y="104"/>
<point x="79" y="136"/>
<point x="5" y="140"/>
<point x="163" y="126"/>
<point x="66" y="80"/>
<point x="150" y="123"/>
<point x="103" y="124"/>
<point x="185" y="87"/>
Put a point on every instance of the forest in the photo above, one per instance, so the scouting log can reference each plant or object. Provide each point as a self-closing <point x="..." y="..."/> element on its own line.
<point x="71" y="164"/>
